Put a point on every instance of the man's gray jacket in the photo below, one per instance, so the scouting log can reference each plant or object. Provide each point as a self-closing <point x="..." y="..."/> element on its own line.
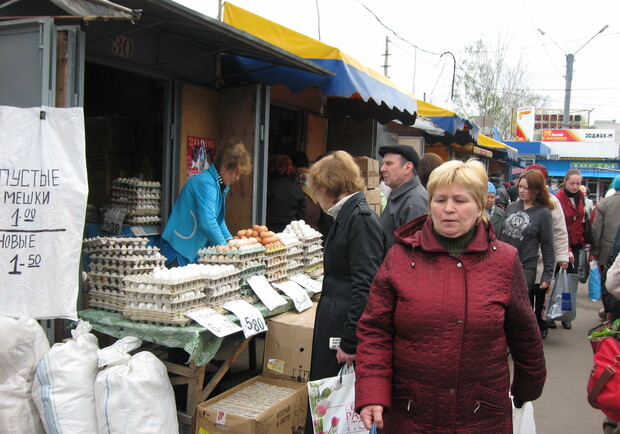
<point x="405" y="203"/>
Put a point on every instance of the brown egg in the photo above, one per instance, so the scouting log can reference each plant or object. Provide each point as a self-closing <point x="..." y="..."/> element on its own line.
<point x="262" y="229"/>
<point x="255" y="233"/>
<point x="248" y="233"/>
<point x="255" y="228"/>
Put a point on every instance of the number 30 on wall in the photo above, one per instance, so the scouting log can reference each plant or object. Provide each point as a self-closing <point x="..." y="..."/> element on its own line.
<point x="122" y="46"/>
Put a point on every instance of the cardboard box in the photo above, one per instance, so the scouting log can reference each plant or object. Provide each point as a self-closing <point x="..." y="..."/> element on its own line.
<point x="372" y="181"/>
<point x="376" y="207"/>
<point x="368" y="166"/>
<point x="288" y="345"/>
<point x="284" y="417"/>
<point x="373" y="196"/>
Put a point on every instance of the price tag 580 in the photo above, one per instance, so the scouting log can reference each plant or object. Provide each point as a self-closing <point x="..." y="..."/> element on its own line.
<point x="250" y="318"/>
<point x="254" y="325"/>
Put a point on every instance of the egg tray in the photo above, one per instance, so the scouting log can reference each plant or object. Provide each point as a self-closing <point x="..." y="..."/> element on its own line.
<point x="255" y="250"/>
<point x="222" y="289"/>
<point x="116" y="259"/>
<point x="309" y="262"/>
<point x="106" y="278"/>
<point x="221" y="299"/>
<point x="127" y="270"/>
<point x="276" y="260"/>
<point x="107" y="291"/>
<point x="137" y="199"/>
<point x="179" y="285"/>
<point x="103" y="241"/>
<point x="154" y="188"/>
<point x="169" y="299"/>
<point x="142" y="220"/>
<point x="143" y="212"/>
<point x="282" y="265"/>
<point x="311" y="248"/>
<point x="317" y="237"/>
<point x="277" y="276"/>
<point x="257" y="270"/>
<point x="158" y="318"/>
<point x="294" y="264"/>
<point x="294" y="250"/>
<point x="104" y="303"/>
<point x="121" y="250"/>
<point x="275" y="250"/>
<point x="131" y="286"/>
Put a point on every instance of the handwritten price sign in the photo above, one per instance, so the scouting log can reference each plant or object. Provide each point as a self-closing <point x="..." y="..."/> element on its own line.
<point x="308" y="283"/>
<point x="213" y="321"/>
<point x="250" y="318"/>
<point x="297" y="293"/>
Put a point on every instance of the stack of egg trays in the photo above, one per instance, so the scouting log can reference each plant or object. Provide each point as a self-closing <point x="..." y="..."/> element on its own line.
<point x="142" y="200"/>
<point x="249" y="262"/>
<point x="295" y="258"/>
<point x="113" y="258"/>
<point x="222" y="289"/>
<point x="159" y="301"/>
<point x="275" y="264"/>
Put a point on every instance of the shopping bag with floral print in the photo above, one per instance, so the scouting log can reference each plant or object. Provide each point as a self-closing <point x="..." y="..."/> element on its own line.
<point x="332" y="404"/>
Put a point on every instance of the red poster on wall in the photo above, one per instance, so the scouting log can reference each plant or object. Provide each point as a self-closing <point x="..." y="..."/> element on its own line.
<point x="200" y="155"/>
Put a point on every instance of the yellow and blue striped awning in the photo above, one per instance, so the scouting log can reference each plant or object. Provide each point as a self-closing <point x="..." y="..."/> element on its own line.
<point x="352" y="80"/>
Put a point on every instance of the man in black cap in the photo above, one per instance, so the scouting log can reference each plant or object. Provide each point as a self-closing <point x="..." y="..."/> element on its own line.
<point x="408" y="198"/>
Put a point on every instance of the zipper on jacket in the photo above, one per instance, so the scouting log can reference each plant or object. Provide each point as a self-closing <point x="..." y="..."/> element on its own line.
<point x="408" y="404"/>
<point x="488" y="405"/>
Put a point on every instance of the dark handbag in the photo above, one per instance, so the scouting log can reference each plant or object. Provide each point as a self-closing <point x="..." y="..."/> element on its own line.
<point x="583" y="267"/>
<point x="588" y="237"/>
<point x="604" y="383"/>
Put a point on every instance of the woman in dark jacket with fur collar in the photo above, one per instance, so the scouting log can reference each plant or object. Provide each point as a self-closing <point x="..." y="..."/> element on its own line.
<point x="442" y="308"/>
<point x="353" y="251"/>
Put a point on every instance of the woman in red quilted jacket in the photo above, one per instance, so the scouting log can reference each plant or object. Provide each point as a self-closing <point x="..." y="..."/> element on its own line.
<point x="442" y="308"/>
<point x="571" y="199"/>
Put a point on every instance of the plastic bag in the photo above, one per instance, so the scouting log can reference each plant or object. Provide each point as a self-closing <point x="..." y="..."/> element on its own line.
<point x="64" y="386"/>
<point x="594" y="284"/>
<point x="332" y="403"/>
<point x="523" y="419"/>
<point x="134" y="394"/>
<point x="612" y="280"/>
<point x="561" y="298"/>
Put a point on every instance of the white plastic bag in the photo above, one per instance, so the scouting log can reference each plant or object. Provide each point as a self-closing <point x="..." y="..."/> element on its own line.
<point x="64" y="386"/>
<point x="22" y="345"/>
<point x="18" y="414"/>
<point x="331" y="402"/>
<point x="523" y="419"/>
<point x="134" y="395"/>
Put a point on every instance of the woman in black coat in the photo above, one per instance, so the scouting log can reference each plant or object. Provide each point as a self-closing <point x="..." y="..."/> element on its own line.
<point x="353" y="251"/>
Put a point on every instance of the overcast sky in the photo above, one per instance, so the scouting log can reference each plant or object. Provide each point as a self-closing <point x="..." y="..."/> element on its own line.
<point x="446" y="25"/>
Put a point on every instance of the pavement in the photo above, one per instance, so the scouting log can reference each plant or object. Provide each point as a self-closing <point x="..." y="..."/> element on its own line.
<point x="563" y="406"/>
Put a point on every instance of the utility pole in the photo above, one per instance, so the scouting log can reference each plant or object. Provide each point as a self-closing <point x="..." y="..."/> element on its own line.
<point x="570" y="60"/>
<point x="387" y="53"/>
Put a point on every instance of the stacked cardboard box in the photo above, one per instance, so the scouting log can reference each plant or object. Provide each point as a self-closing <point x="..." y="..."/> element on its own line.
<point x="370" y="171"/>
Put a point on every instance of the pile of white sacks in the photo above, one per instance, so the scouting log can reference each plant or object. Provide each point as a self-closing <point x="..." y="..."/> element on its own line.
<point x="77" y="387"/>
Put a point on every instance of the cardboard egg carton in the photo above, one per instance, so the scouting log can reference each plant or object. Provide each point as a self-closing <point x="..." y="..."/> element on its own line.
<point x="142" y="220"/>
<point x="160" y="318"/>
<point x="274" y="260"/>
<point x="279" y="275"/>
<point x="97" y="242"/>
<point x="105" y="303"/>
<point x="116" y="249"/>
<point x="114" y="259"/>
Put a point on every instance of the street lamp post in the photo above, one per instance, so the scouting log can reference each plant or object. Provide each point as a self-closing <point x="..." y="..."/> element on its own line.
<point x="570" y="59"/>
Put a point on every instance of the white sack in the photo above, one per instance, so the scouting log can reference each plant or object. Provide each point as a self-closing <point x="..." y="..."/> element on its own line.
<point x="64" y="386"/>
<point x="22" y="345"/>
<point x="136" y="397"/>
<point x="18" y="414"/>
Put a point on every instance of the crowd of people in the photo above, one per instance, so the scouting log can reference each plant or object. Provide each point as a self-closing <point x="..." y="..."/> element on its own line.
<point x="428" y="299"/>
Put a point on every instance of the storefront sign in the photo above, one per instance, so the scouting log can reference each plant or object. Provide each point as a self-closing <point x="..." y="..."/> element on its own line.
<point x="525" y="124"/>
<point x="263" y="289"/>
<point x="250" y="318"/>
<point x="297" y="293"/>
<point x="43" y="189"/>
<point x="214" y="321"/>
<point x="593" y="165"/>
<point x="600" y="136"/>
<point x="200" y="155"/>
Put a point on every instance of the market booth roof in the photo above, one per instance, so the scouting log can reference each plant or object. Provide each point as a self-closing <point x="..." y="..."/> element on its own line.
<point x="488" y="142"/>
<point x="168" y="20"/>
<point x="355" y="88"/>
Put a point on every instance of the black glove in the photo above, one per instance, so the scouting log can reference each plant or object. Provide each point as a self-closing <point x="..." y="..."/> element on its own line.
<point x="517" y="402"/>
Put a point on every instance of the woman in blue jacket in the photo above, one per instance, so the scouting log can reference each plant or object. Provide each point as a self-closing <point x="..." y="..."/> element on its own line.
<point x="197" y="219"/>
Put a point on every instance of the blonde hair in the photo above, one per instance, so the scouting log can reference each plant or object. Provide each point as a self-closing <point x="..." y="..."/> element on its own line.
<point x="234" y="156"/>
<point x="472" y="175"/>
<point x="336" y="174"/>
